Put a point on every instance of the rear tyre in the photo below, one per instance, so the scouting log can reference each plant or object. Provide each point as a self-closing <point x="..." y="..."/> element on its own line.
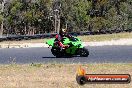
<point x="83" y="52"/>
<point x="56" y="52"/>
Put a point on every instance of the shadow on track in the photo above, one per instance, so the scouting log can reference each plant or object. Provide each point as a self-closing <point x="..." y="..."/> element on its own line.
<point x="48" y="57"/>
<point x="62" y="57"/>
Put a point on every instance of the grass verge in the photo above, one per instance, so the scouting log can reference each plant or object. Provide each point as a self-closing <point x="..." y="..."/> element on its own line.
<point x="58" y="75"/>
<point x="88" y="38"/>
<point x="105" y="37"/>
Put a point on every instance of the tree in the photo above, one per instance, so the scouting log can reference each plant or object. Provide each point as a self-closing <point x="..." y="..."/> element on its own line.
<point x="75" y="13"/>
<point x="33" y="16"/>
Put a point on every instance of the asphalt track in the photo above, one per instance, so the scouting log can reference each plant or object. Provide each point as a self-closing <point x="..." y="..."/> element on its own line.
<point x="98" y="54"/>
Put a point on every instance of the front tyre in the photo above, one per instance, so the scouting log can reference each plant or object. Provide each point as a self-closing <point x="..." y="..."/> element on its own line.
<point x="83" y="52"/>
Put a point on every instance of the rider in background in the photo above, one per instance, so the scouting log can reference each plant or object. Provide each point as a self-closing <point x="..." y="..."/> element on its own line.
<point x="59" y="37"/>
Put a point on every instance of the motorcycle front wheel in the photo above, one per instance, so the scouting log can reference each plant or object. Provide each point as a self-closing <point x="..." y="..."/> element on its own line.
<point x="83" y="52"/>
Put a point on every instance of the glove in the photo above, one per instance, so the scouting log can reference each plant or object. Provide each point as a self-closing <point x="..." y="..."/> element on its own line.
<point x="65" y="46"/>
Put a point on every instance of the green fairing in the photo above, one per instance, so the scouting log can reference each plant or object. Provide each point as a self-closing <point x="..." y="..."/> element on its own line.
<point x="50" y="42"/>
<point x="66" y="41"/>
<point x="71" y="50"/>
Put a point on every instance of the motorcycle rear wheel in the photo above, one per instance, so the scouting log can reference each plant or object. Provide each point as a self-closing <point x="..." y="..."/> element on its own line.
<point x="56" y="52"/>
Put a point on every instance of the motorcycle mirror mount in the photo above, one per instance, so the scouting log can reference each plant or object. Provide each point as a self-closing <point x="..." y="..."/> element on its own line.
<point x="48" y="46"/>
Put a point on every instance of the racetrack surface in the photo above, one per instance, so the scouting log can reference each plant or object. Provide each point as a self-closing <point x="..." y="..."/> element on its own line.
<point x="98" y="54"/>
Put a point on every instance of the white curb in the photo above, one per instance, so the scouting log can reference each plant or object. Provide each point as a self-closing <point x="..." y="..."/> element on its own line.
<point x="112" y="42"/>
<point x="102" y="43"/>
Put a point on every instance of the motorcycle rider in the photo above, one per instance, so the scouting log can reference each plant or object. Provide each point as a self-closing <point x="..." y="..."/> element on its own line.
<point x="59" y="38"/>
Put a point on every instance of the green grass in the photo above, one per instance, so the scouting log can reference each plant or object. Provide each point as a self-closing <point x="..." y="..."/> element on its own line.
<point x="52" y="75"/>
<point x="88" y="38"/>
<point x="105" y="37"/>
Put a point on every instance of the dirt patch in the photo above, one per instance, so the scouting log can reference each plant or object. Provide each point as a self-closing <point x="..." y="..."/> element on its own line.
<point x="57" y="75"/>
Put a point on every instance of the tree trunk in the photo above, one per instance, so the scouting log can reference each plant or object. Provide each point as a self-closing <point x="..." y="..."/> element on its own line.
<point x="1" y="30"/>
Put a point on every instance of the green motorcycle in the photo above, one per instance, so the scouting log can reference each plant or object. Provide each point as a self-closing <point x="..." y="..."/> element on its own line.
<point x="75" y="47"/>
